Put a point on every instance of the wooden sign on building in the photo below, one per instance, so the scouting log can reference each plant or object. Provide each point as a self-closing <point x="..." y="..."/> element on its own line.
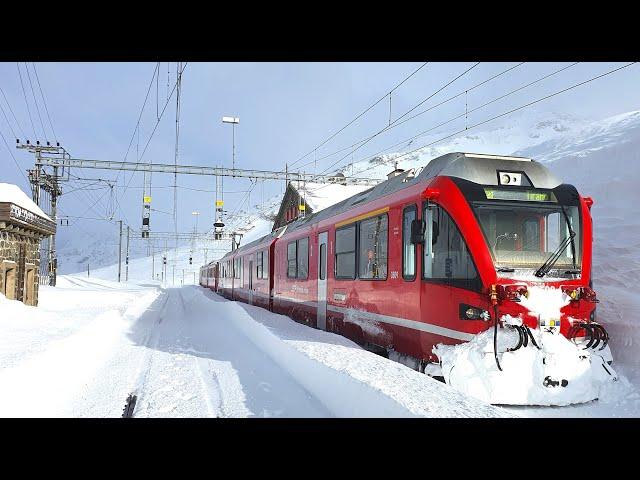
<point x="22" y="226"/>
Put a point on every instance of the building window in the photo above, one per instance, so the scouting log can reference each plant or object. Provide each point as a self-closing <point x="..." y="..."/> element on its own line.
<point x="409" y="214"/>
<point x="346" y="252"/>
<point x="446" y="256"/>
<point x="292" y="270"/>
<point x="373" y="248"/>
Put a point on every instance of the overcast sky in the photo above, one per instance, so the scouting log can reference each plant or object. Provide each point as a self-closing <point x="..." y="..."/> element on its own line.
<point x="285" y="110"/>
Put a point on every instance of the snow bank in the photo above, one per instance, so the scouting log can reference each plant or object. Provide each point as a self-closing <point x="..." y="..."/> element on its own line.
<point x="50" y="353"/>
<point x="327" y="365"/>
<point x="560" y="372"/>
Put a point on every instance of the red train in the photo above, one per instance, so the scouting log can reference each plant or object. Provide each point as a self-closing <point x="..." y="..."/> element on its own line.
<point x="425" y="259"/>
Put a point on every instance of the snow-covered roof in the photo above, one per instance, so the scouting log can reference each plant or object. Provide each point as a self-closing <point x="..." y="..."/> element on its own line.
<point x="320" y="196"/>
<point x="10" y="193"/>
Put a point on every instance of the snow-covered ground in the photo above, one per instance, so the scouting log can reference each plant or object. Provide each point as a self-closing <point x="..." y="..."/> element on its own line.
<point x="186" y="352"/>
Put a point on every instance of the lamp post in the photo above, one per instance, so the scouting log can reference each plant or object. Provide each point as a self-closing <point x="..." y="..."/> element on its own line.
<point x="196" y="215"/>
<point x="233" y="121"/>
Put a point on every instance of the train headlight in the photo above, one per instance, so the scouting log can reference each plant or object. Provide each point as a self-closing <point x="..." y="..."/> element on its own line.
<point x="513" y="292"/>
<point x="468" y="312"/>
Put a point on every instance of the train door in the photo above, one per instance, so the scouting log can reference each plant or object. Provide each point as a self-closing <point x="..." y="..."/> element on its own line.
<point x="250" y="282"/>
<point x="322" y="281"/>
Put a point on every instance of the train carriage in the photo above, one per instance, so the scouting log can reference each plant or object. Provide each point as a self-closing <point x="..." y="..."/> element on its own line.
<point x="435" y="259"/>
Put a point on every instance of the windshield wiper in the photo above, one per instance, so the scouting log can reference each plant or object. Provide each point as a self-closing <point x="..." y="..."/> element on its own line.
<point x="551" y="261"/>
<point x="505" y="269"/>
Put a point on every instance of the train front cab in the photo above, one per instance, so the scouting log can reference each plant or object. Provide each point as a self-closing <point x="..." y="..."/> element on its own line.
<point x="506" y="234"/>
<point x="442" y="255"/>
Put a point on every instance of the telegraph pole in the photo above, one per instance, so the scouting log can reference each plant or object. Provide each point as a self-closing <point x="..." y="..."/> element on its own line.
<point x="126" y="274"/>
<point x="53" y="258"/>
<point x="153" y="260"/>
<point x="120" y="251"/>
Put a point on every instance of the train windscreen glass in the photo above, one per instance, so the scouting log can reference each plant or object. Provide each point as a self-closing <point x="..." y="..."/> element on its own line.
<point x="525" y="235"/>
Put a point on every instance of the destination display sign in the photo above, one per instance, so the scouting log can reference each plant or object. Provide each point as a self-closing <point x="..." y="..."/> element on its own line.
<point x="519" y="195"/>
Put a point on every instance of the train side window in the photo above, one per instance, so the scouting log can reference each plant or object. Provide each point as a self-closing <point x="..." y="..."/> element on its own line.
<point x="292" y="262"/>
<point x="303" y="258"/>
<point x="446" y="255"/>
<point x="373" y="248"/>
<point x="409" y="214"/>
<point x="345" y="264"/>
<point x="265" y="264"/>
<point x="322" y="273"/>
<point x="258" y="264"/>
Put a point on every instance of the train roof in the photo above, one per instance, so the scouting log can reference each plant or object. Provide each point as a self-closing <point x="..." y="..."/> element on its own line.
<point x="483" y="169"/>
<point x="271" y="235"/>
<point x="475" y="167"/>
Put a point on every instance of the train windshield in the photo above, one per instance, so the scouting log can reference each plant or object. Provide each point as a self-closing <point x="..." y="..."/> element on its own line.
<point x="524" y="235"/>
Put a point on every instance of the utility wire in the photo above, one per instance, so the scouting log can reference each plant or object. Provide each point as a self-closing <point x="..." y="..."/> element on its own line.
<point x="35" y="101"/>
<point x="7" y="120"/>
<point x="14" y="158"/>
<point x="156" y="71"/>
<point x="361" y="114"/>
<point x="25" y="101"/>
<point x="156" y="126"/>
<point x="13" y="114"/>
<point x="55" y="137"/>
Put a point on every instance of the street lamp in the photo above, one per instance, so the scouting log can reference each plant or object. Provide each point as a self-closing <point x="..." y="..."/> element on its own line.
<point x="193" y="243"/>
<point x="232" y="121"/>
<point x="196" y="215"/>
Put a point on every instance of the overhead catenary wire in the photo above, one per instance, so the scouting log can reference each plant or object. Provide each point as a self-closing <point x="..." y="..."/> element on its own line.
<point x="367" y="140"/>
<point x="446" y="122"/>
<point x="397" y="124"/>
<point x="546" y="97"/>
<point x="331" y="137"/>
